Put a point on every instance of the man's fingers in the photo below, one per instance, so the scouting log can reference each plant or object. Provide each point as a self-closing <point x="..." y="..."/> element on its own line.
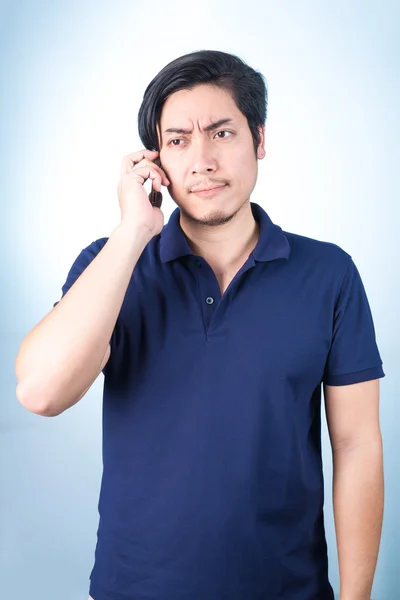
<point x="130" y="160"/>
<point x="145" y="172"/>
<point x="148" y="163"/>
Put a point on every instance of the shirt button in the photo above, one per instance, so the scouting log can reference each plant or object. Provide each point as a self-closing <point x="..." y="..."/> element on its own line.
<point x="210" y="300"/>
<point x="198" y="263"/>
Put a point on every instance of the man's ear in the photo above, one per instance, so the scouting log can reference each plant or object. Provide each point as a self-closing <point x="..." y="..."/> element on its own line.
<point x="158" y="135"/>
<point x="261" y="144"/>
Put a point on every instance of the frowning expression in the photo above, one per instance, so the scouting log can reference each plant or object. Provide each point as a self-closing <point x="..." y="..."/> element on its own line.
<point x="206" y="143"/>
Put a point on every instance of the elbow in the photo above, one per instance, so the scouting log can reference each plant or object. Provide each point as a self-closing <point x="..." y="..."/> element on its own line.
<point x="35" y="403"/>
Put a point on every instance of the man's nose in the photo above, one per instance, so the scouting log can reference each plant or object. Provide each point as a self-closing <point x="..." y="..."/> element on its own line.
<point x="203" y="157"/>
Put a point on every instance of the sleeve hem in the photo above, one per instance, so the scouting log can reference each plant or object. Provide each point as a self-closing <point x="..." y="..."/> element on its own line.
<point x="355" y="377"/>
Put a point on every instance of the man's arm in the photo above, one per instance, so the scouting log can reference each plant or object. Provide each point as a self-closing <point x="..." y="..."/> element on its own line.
<point x="61" y="357"/>
<point x="352" y="413"/>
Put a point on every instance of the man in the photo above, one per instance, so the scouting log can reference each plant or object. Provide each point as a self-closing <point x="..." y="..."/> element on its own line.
<point x="215" y="334"/>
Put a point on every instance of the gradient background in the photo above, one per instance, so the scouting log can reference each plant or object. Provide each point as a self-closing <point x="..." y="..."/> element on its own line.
<point x="72" y="80"/>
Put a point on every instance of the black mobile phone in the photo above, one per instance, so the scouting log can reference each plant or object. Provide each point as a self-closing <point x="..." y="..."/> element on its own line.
<point x="155" y="197"/>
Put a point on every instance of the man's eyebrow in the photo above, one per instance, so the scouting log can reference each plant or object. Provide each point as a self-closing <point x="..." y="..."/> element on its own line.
<point x="210" y="127"/>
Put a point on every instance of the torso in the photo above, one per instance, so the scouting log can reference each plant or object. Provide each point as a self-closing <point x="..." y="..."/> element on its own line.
<point x="224" y="284"/>
<point x="225" y="279"/>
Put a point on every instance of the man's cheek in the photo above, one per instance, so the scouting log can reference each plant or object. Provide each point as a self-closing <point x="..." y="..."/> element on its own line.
<point x="168" y="171"/>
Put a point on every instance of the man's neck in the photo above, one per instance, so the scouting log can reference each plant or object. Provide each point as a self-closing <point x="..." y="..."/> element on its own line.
<point x="227" y="246"/>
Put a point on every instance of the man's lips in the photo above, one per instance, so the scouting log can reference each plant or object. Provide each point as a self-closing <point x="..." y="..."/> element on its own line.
<point x="207" y="189"/>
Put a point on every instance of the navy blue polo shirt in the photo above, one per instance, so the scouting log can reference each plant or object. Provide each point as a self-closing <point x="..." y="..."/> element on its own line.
<point x="212" y="486"/>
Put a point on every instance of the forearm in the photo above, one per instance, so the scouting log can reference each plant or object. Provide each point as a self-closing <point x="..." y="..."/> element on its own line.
<point x="358" y="495"/>
<point x="61" y="356"/>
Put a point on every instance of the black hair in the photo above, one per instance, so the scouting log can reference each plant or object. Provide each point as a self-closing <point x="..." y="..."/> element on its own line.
<point x="227" y="71"/>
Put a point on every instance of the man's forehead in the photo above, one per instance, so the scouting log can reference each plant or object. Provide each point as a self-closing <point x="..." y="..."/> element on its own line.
<point x="197" y="106"/>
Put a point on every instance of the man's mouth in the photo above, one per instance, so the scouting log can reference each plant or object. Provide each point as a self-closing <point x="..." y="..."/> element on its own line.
<point x="208" y="191"/>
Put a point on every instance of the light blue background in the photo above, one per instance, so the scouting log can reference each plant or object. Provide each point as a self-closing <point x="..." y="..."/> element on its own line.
<point x="72" y="79"/>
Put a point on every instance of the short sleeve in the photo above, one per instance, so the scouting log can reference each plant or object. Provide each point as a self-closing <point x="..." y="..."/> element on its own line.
<point x="81" y="262"/>
<point x="353" y="355"/>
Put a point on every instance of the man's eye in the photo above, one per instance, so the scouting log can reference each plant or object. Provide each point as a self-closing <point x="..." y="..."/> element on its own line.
<point x="172" y="142"/>
<point x="224" y="131"/>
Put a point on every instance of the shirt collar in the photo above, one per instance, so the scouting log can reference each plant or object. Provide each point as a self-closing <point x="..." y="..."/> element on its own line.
<point x="272" y="242"/>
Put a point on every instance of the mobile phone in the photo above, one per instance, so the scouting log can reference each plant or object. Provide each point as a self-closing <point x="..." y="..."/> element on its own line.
<point x="155" y="197"/>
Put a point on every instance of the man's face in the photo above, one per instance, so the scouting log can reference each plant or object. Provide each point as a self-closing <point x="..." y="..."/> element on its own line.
<point x="223" y="156"/>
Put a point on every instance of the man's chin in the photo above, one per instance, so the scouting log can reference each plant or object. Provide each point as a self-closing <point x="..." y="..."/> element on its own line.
<point x="205" y="216"/>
